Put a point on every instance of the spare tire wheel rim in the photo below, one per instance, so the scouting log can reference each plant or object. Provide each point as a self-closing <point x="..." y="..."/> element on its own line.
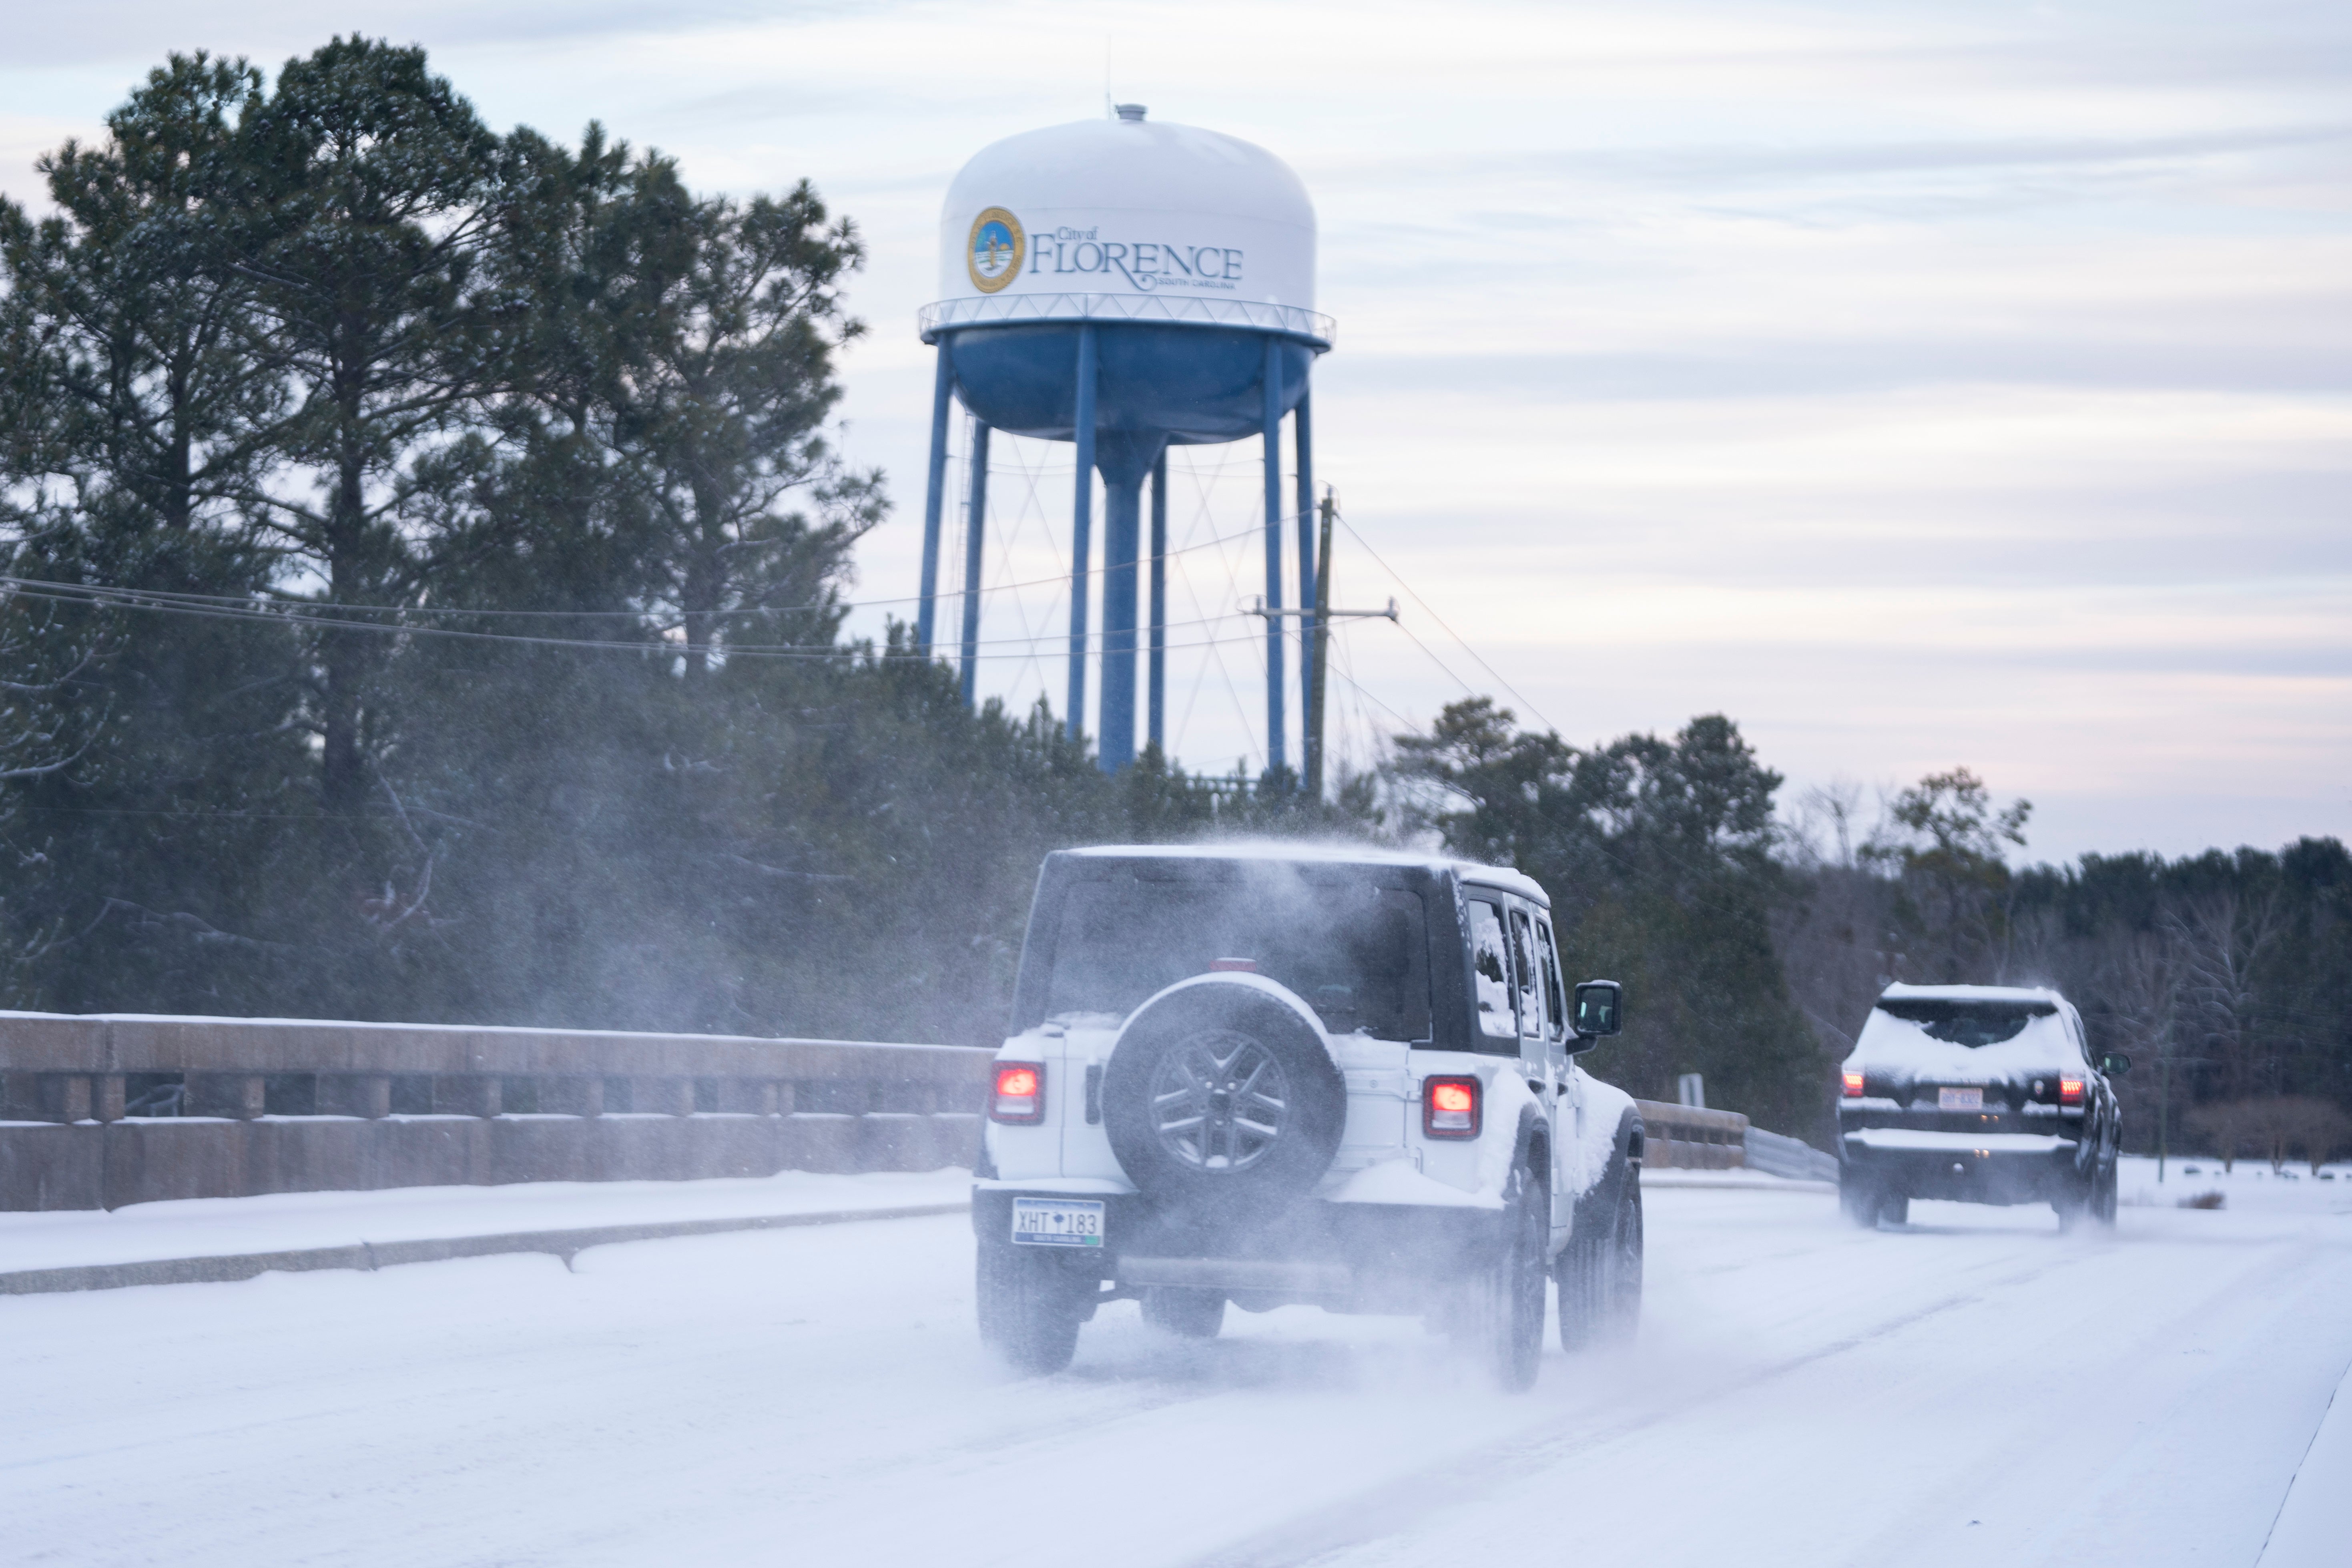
<point x="1218" y="1102"/>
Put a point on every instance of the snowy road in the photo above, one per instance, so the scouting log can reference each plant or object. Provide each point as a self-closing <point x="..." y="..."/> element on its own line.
<point x="1973" y="1389"/>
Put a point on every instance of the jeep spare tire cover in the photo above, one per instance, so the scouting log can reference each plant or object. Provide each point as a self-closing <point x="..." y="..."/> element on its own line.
<point x="1221" y="1098"/>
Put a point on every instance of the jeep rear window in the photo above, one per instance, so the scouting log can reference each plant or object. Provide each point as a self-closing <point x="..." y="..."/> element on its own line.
<point x="1970" y="1024"/>
<point x="1356" y="952"/>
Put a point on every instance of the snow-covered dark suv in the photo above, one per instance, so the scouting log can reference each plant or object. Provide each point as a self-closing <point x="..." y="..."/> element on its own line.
<point x="1273" y="1076"/>
<point x="1987" y="1094"/>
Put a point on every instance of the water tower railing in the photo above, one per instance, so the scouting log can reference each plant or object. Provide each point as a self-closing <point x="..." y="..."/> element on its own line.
<point x="1311" y="327"/>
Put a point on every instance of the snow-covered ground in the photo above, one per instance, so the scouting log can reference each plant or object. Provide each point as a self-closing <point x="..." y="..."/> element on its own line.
<point x="1972" y="1388"/>
<point x="2252" y="1182"/>
<point x="286" y="1222"/>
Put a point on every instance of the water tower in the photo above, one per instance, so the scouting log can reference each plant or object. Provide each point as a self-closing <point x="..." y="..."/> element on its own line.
<point x="1127" y="286"/>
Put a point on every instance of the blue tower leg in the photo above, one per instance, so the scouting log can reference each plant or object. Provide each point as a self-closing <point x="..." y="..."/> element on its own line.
<point x="1122" y="504"/>
<point x="1302" y="432"/>
<point x="975" y="529"/>
<point x="1156" y="708"/>
<point x="1082" y="530"/>
<point x="942" y="392"/>
<point x="1271" y="429"/>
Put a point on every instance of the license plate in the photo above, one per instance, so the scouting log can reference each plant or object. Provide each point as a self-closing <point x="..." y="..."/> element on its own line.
<point x="1057" y="1222"/>
<point x="1960" y="1099"/>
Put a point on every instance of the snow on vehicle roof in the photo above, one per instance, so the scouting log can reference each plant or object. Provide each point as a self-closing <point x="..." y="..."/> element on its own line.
<point x="2017" y="1029"/>
<point x="1334" y="853"/>
<point x="1971" y="993"/>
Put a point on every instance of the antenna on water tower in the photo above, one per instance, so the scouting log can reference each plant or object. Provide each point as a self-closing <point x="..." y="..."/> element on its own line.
<point x="1127" y="286"/>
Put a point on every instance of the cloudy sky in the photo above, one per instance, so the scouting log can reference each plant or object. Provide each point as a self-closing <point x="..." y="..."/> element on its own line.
<point x="1918" y="383"/>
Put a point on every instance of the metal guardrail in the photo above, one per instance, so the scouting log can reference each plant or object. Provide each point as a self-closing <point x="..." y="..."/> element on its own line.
<point x="1775" y="1156"/>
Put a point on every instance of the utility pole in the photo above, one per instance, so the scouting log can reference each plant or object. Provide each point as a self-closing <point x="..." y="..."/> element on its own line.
<point x="1321" y="653"/>
<point x="1315" y="617"/>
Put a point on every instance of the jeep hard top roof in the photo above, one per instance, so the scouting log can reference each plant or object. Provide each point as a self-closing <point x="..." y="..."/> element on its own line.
<point x="1277" y="849"/>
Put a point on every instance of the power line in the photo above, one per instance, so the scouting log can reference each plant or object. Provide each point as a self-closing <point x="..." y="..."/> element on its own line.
<point x="1597" y="841"/>
<point x="818" y="608"/>
<point x="1449" y="631"/>
<point x="310" y="612"/>
<point x="201" y="816"/>
<point x="1441" y="664"/>
<point x="135" y="599"/>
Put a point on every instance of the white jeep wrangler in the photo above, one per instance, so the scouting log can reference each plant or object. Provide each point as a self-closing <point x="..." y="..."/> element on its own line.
<point x="1290" y="1075"/>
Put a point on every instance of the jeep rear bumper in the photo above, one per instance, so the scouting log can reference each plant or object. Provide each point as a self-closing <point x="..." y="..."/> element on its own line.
<point x="1344" y="1255"/>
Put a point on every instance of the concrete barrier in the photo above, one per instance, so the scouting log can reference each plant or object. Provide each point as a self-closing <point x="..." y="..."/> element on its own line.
<point x="277" y="1105"/>
<point x="264" y="1105"/>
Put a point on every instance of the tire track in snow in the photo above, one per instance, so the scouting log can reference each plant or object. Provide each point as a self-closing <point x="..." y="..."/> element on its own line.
<point x="1403" y="1511"/>
<point x="1399" y="1501"/>
<point x="2135" y="1391"/>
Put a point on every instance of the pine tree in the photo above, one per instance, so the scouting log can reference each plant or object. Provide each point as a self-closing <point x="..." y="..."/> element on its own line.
<point x="139" y="420"/>
<point x="370" y="191"/>
<point x="1658" y="856"/>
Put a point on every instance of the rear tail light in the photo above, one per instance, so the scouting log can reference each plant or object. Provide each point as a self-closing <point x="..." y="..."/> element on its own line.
<point x="1449" y="1108"/>
<point x="2069" y="1092"/>
<point x="1019" y="1097"/>
<point x="1852" y="1084"/>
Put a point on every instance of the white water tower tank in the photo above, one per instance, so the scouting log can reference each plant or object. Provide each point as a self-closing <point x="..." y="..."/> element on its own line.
<point x="1128" y="207"/>
<point x="1126" y="285"/>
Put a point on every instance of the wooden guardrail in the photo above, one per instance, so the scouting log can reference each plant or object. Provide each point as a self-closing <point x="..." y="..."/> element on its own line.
<point x="1680" y="1137"/>
<point x="99" y="1111"/>
<point x="1683" y="1138"/>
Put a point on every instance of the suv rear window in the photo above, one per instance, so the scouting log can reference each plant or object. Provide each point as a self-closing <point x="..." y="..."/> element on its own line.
<point x="1356" y="952"/>
<point x="1970" y="1024"/>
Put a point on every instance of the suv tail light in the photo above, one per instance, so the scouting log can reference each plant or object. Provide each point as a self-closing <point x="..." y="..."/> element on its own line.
<point x="1852" y="1084"/>
<point x="1449" y="1108"/>
<point x="1019" y="1096"/>
<point x="2070" y="1090"/>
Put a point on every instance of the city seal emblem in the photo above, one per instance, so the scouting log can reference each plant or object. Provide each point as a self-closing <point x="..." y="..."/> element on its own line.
<point x="997" y="249"/>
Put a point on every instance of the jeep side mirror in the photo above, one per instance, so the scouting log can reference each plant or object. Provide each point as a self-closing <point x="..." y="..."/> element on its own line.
<point x="2115" y="1064"/>
<point x="1599" y="1009"/>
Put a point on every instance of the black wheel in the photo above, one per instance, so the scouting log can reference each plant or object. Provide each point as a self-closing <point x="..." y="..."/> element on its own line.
<point x="1221" y="1103"/>
<point x="2106" y="1198"/>
<point x="1189" y="1314"/>
<point x="1600" y="1273"/>
<point x="1623" y="1307"/>
<point x="2073" y="1203"/>
<point x="1504" y="1322"/>
<point x="1030" y="1307"/>
<point x="1894" y="1208"/>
